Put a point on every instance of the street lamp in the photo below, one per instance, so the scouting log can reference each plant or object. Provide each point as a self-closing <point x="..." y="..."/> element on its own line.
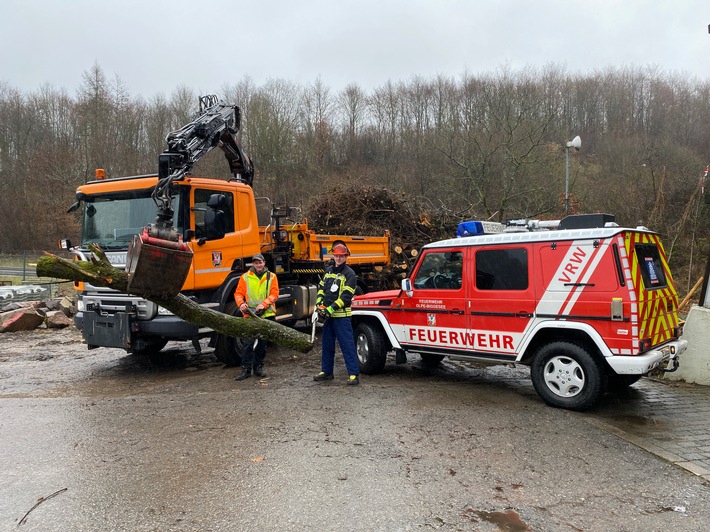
<point x="575" y="143"/>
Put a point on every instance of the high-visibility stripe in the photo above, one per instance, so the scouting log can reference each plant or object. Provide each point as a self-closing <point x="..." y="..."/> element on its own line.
<point x="655" y="321"/>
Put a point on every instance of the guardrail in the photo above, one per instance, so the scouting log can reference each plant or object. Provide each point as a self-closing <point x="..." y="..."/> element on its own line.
<point x="24" y="264"/>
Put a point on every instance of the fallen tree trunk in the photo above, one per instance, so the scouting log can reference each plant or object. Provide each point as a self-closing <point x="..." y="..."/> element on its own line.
<point x="99" y="272"/>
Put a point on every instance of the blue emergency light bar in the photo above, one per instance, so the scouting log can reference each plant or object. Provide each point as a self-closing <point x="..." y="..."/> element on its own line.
<point x="478" y="227"/>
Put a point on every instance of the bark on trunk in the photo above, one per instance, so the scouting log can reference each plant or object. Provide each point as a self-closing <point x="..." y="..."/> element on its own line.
<point x="99" y="272"/>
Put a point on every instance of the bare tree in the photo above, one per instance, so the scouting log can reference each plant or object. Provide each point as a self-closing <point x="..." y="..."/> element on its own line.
<point x="316" y="129"/>
<point x="489" y="145"/>
<point x="273" y="114"/>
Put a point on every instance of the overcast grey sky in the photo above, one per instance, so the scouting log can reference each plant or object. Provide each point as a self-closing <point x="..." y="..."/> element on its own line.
<point x="154" y="46"/>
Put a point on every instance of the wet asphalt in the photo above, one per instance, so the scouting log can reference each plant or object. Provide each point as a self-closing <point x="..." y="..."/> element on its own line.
<point x="115" y="442"/>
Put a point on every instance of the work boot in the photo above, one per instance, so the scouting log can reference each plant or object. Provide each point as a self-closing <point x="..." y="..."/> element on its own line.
<point x="245" y="374"/>
<point x="353" y="380"/>
<point x="323" y="376"/>
<point x="259" y="371"/>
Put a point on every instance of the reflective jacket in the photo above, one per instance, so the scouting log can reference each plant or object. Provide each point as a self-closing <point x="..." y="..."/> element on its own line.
<point x="254" y="290"/>
<point x="336" y="290"/>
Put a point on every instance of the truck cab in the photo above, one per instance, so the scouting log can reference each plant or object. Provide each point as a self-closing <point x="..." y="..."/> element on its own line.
<point x="115" y="210"/>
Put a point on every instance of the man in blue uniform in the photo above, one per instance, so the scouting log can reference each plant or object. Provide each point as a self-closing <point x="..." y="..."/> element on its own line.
<point x="335" y="293"/>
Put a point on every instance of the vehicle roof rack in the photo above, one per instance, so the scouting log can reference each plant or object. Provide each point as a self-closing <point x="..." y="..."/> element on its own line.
<point x="573" y="221"/>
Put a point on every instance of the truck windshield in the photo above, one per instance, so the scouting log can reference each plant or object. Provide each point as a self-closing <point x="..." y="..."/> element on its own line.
<point x="111" y="220"/>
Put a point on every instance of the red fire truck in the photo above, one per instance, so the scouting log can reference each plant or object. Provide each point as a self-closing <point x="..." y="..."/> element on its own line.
<point x="588" y="305"/>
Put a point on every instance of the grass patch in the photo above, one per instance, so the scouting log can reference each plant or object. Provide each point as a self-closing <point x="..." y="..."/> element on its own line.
<point x="17" y="261"/>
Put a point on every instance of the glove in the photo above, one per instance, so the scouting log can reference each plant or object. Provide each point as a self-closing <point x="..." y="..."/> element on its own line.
<point x="322" y="313"/>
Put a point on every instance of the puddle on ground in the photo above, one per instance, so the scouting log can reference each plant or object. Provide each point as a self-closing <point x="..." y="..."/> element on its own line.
<point x="112" y="387"/>
<point x="648" y="426"/>
<point x="635" y="421"/>
<point x="508" y="520"/>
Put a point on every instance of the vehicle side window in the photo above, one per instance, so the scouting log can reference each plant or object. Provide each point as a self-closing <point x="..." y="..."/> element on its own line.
<point x="651" y="266"/>
<point x="440" y="270"/>
<point x="201" y="197"/>
<point x="502" y="269"/>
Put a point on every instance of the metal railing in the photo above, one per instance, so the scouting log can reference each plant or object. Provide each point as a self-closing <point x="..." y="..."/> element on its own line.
<point x="19" y="281"/>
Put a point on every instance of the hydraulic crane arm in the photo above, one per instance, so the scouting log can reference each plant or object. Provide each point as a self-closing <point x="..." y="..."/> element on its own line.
<point x="216" y="125"/>
<point x="158" y="261"/>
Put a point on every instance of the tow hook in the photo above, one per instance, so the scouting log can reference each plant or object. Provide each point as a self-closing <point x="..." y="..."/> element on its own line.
<point x="674" y="362"/>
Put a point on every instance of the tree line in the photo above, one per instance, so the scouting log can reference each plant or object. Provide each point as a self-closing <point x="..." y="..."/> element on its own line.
<point x="485" y="146"/>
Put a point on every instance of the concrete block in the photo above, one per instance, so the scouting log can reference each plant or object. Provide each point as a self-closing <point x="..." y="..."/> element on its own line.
<point x="695" y="362"/>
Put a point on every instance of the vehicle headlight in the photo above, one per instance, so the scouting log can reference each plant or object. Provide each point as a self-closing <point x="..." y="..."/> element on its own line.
<point x="164" y="312"/>
<point x="80" y="306"/>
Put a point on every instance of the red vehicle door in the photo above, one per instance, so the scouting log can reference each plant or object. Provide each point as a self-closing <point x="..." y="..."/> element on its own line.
<point x="502" y="299"/>
<point x="433" y="318"/>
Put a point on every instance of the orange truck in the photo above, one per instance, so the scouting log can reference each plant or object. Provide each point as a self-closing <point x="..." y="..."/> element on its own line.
<point x="217" y="221"/>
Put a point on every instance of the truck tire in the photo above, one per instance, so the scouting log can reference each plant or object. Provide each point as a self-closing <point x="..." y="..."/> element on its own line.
<point x="228" y="349"/>
<point x="431" y="361"/>
<point x="565" y="375"/>
<point x="371" y="348"/>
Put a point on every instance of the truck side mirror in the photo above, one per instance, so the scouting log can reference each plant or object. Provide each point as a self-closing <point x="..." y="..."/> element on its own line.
<point x="407" y="286"/>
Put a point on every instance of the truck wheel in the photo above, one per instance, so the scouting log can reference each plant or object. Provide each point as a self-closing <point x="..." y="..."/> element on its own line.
<point x="228" y="349"/>
<point x="565" y="375"/>
<point x="431" y="361"/>
<point x="618" y="383"/>
<point x="371" y="348"/>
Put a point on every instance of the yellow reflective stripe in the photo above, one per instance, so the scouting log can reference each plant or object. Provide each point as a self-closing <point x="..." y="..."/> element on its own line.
<point x="338" y="305"/>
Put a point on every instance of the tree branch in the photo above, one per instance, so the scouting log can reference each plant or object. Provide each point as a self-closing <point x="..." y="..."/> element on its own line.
<point x="99" y="272"/>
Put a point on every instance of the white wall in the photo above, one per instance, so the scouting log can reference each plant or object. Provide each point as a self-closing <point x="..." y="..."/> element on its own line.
<point x="695" y="362"/>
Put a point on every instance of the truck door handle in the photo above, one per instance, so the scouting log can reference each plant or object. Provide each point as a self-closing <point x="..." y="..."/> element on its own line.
<point x="523" y="314"/>
<point x="457" y="311"/>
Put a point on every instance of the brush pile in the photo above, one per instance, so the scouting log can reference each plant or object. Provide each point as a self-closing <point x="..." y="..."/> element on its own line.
<point x="369" y="210"/>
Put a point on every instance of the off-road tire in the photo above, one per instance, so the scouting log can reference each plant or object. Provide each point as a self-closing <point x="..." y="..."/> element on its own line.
<point x="371" y="348"/>
<point x="565" y="375"/>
